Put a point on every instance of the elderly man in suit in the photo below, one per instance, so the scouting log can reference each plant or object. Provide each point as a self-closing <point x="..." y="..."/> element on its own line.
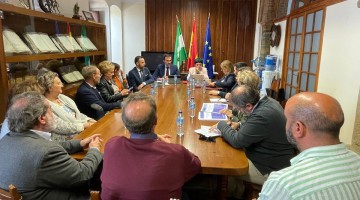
<point x="166" y="69"/>
<point x="39" y="168"/>
<point x="88" y="98"/>
<point x="140" y="75"/>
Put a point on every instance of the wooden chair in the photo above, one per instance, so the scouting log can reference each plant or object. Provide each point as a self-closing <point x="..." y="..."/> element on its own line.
<point x="276" y="92"/>
<point x="252" y="190"/>
<point x="95" y="195"/>
<point x="12" y="194"/>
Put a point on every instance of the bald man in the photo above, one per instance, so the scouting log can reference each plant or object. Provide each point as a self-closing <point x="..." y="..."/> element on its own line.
<point x="146" y="166"/>
<point x="325" y="168"/>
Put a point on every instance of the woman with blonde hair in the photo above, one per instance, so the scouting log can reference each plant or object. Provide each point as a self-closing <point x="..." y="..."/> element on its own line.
<point x="228" y="80"/>
<point x="109" y="91"/>
<point x="69" y="120"/>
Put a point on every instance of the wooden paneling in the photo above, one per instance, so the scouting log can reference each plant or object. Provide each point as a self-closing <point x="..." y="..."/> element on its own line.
<point x="232" y="26"/>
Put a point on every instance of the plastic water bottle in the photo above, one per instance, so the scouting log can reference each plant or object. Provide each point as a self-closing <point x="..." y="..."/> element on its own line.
<point x="175" y="79"/>
<point x="163" y="82"/>
<point x="156" y="85"/>
<point x="180" y="124"/>
<point x="188" y="93"/>
<point x="192" y="107"/>
<point x="152" y="91"/>
<point x="192" y="84"/>
<point x="204" y="86"/>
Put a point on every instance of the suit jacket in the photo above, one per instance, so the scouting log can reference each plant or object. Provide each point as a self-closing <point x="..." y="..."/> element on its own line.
<point x="66" y="123"/>
<point x="107" y="91"/>
<point x="160" y="71"/>
<point x="146" y="169"/>
<point x="262" y="136"/>
<point x="42" y="169"/>
<point x="222" y="94"/>
<point x="86" y="96"/>
<point x="226" y="82"/>
<point x="134" y="79"/>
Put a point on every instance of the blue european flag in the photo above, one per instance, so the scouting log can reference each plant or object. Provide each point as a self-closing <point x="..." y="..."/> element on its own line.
<point x="208" y="58"/>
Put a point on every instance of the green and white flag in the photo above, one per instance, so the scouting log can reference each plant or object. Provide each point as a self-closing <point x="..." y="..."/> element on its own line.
<point x="179" y="51"/>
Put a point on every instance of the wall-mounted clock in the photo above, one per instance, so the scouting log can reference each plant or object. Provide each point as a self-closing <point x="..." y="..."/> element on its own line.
<point x="275" y="35"/>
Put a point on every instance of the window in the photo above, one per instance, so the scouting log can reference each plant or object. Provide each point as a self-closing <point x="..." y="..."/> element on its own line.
<point x="303" y="52"/>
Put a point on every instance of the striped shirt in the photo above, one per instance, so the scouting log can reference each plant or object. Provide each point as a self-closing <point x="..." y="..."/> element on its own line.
<point x="326" y="172"/>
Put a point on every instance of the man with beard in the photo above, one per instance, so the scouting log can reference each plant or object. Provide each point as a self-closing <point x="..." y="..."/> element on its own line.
<point x="262" y="136"/>
<point x="325" y="168"/>
<point x="39" y="168"/>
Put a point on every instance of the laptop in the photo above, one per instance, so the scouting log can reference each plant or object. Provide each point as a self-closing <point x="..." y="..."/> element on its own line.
<point x="172" y="80"/>
<point x="198" y="77"/>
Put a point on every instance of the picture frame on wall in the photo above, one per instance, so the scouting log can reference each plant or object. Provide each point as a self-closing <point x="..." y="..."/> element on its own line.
<point x="88" y="16"/>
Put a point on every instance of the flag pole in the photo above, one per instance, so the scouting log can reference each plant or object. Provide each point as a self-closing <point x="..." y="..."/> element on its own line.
<point x="177" y="18"/>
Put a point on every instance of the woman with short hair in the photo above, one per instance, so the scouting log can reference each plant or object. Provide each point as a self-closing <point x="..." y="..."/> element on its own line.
<point x="108" y="89"/>
<point x="69" y="119"/>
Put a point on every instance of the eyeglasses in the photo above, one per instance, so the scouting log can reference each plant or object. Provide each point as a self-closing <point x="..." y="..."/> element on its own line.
<point x="207" y="139"/>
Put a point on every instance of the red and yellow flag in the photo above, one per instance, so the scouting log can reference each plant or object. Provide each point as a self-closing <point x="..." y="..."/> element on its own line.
<point x="193" y="50"/>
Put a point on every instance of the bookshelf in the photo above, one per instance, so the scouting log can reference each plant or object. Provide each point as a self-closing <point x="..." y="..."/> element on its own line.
<point x="23" y="20"/>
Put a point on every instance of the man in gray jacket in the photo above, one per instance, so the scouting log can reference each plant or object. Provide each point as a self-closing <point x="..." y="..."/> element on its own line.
<point x="39" y="168"/>
<point x="262" y="135"/>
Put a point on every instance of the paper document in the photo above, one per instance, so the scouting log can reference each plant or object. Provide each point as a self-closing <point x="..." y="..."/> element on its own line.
<point x="211" y="116"/>
<point x="218" y="100"/>
<point x="213" y="107"/>
<point x="205" y="130"/>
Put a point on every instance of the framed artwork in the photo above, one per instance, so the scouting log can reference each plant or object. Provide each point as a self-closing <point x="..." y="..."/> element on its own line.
<point x="88" y="16"/>
<point x="25" y="3"/>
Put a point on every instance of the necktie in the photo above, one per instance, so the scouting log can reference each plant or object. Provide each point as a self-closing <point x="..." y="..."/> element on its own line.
<point x="142" y="75"/>
<point x="167" y="71"/>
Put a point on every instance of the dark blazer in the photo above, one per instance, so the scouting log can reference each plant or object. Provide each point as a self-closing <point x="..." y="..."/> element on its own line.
<point x="262" y="136"/>
<point x="160" y="71"/>
<point x="86" y="96"/>
<point x="222" y="94"/>
<point x="107" y="91"/>
<point x="134" y="79"/>
<point x="226" y="82"/>
<point x="42" y="169"/>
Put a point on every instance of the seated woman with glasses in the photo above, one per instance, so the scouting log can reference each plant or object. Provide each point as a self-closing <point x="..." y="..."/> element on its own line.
<point x="109" y="91"/>
<point x="228" y="80"/>
<point x="198" y="69"/>
<point x="68" y="119"/>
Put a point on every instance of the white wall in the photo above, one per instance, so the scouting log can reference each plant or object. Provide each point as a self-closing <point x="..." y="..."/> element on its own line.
<point x="116" y="34"/>
<point x="340" y="61"/>
<point x="133" y="32"/>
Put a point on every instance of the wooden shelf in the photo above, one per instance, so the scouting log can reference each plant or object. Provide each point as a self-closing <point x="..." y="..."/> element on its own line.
<point x="46" y="16"/>
<point x="33" y="57"/>
<point x="22" y="20"/>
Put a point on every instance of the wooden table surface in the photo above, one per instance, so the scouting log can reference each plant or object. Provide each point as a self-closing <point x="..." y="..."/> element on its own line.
<point x="216" y="157"/>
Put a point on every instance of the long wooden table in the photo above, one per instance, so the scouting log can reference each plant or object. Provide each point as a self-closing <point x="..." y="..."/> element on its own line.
<point x="217" y="158"/>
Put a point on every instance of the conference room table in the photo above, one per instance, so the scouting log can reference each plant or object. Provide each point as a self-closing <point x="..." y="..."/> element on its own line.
<point x="217" y="158"/>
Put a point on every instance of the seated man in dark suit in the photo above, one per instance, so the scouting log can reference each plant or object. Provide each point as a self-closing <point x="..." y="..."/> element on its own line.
<point x="88" y="98"/>
<point x="166" y="69"/>
<point x="39" y="168"/>
<point x="146" y="165"/>
<point x="140" y="75"/>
